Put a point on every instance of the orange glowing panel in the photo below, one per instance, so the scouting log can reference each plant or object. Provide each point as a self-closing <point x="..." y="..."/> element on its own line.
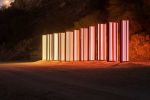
<point x="82" y="43"/>
<point x="76" y="45"/>
<point x="69" y="46"/>
<point x="51" y="47"/>
<point x="63" y="46"/>
<point x="124" y="40"/>
<point x="113" y="41"/>
<point x="56" y="46"/>
<point x="86" y="44"/>
<point x="44" y="47"/>
<point x="92" y="43"/>
<point x="102" y="41"/>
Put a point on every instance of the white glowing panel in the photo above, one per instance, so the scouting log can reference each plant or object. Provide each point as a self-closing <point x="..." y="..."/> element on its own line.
<point x="124" y="40"/>
<point x="59" y="46"/>
<point x="63" y="47"/>
<point x="86" y="44"/>
<point x="82" y="43"/>
<point x="113" y="41"/>
<point x="56" y="46"/>
<point x="51" y="47"/>
<point x="69" y="46"/>
<point x="48" y="46"/>
<point x="44" y="47"/>
<point x="76" y="45"/>
<point x="102" y="41"/>
<point x="92" y="43"/>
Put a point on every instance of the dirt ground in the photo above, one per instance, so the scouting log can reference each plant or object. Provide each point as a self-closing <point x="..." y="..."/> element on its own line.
<point x="75" y="81"/>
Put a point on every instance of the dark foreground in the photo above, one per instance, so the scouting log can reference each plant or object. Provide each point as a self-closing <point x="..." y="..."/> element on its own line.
<point x="89" y="81"/>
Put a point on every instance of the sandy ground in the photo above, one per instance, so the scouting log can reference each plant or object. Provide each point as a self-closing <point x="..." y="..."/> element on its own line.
<point x="75" y="81"/>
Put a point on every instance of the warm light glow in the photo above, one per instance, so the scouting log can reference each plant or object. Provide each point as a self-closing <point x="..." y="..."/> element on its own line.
<point x="92" y="43"/>
<point x="82" y="43"/>
<point x="125" y="40"/>
<point x="113" y="41"/>
<point x="51" y="57"/>
<point x="69" y="46"/>
<point x="63" y="46"/>
<point x="76" y="45"/>
<point x="6" y="3"/>
<point x="102" y="41"/>
<point x="56" y="46"/>
<point x="48" y="46"/>
<point x="86" y="44"/>
<point x="44" y="54"/>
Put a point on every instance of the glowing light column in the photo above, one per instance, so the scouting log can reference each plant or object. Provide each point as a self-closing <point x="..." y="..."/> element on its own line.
<point x="69" y="46"/>
<point x="63" y="47"/>
<point x="51" y="47"/>
<point x="92" y="43"/>
<point x="124" y="40"/>
<point x="113" y="41"/>
<point x="48" y="46"/>
<point x="44" y="47"/>
<point x="76" y="45"/>
<point x="86" y="44"/>
<point x="82" y="43"/>
<point x="102" y="41"/>
<point x="56" y="46"/>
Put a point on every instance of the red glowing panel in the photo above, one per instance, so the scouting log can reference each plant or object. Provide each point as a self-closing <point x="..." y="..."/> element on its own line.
<point x="82" y="43"/>
<point x="76" y="45"/>
<point x="113" y="41"/>
<point x="125" y="40"/>
<point x="102" y="42"/>
<point x="69" y="46"/>
<point x="92" y="43"/>
<point x="56" y="46"/>
<point x="62" y="46"/>
<point x="86" y="44"/>
<point x="51" y="47"/>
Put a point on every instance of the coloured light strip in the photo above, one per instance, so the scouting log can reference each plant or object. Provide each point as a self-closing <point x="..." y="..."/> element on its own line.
<point x="92" y="42"/>
<point x="113" y="41"/>
<point x="51" y="47"/>
<point x="63" y="46"/>
<point x="124" y="40"/>
<point x="48" y="46"/>
<point x="102" y="41"/>
<point x="82" y="43"/>
<point x="44" y="54"/>
<point x="76" y="45"/>
<point x="86" y="44"/>
<point x="56" y="46"/>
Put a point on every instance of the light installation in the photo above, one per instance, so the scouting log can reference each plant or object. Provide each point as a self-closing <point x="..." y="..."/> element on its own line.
<point x="99" y="42"/>
<point x="124" y="40"/>
<point x="76" y="45"/>
<point x="102" y="41"/>
<point x="92" y="43"/>
<point x="113" y="41"/>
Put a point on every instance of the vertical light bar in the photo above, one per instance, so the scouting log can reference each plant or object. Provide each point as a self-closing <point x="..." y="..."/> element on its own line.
<point x="56" y="46"/>
<point x="69" y="46"/>
<point x="86" y="44"/>
<point x="51" y="47"/>
<point x="124" y="41"/>
<point x="48" y="47"/>
<point x="44" y="47"/>
<point x="63" y="46"/>
<point x="102" y="42"/>
<point x="113" y="41"/>
<point x="82" y="43"/>
<point x="59" y="46"/>
<point x="76" y="45"/>
<point x="92" y="43"/>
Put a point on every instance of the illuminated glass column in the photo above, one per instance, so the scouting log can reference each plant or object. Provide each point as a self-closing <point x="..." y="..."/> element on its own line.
<point x="124" y="41"/>
<point x="63" y="46"/>
<point x="56" y="46"/>
<point x="69" y="46"/>
<point x="51" y="47"/>
<point x="44" y="47"/>
<point x="82" y="43"/>
<point x="92" y="43"/>
<point x="76" y="45"/>
<point x="102" y="41"/>
<point x="86" y="44"/>
<point x="113" y="41"/>
<point x="48" y="46"/>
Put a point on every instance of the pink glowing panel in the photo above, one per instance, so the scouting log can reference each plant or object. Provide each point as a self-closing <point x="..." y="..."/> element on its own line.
<point x="92" y="43"/>
<point x="69" y="46"/>
<point x="113" y="41"/>
<point x="51" y="47"/>
<point x="63" y="47"/>
<point x="82" y="43"/>
<point x="56" y="46"/>
<point x="125" y="40"/>
<point x="102" y="41"/>
<point x="86" y="44"/>
<point x="44" y="47"/>
<point x="76" y="45"/>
